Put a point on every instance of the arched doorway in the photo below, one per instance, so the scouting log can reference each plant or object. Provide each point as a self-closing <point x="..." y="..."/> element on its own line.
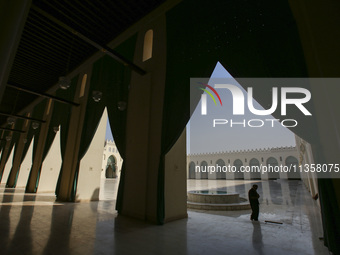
<point x="204" y="167"/>
<point x="254" y="166"/>
<point x="273" y="163"/>
<point x="192" y="174"/>
<point x="292" y="163"/>
<point x="219" y="173"/>
<point x="238" y="174"/>
<point x="111" y="168"/>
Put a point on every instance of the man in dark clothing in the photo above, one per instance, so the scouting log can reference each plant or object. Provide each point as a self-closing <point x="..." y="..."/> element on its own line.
<point x="253" y="197"/>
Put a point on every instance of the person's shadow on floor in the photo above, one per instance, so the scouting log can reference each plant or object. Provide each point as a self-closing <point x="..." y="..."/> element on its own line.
<point x="257" y="237"/>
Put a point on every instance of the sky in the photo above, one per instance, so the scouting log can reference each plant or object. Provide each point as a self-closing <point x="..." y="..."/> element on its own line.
<point x="202" y="137"/>
<point x="108" y="135"/>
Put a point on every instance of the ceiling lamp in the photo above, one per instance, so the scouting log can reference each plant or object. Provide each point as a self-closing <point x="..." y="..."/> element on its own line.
<point x="56" y="129"/>
<point x="10" y="120"/>
<point x="64" y="82"/>
<point x="35" y="125"/>
<point x="97" y="95"/>
<point x="121" y="105"/>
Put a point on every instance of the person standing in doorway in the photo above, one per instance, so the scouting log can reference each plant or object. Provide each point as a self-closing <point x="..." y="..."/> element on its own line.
<point x="253" y="197"/>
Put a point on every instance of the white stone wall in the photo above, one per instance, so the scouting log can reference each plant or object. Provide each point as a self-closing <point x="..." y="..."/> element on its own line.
<point x="51" y="167"/>
<point x="25" y="167"/>
<point x="262" y="155"/>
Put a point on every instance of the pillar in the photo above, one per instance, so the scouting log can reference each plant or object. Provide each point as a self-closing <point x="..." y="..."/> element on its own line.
<point x="144" y="132"/>
<point x="75" y="128"/>
<point x="318" y="25"/>
<point x="34" y="176"/>
<point x="12" y="178"/>
<point x="176" y="181"/>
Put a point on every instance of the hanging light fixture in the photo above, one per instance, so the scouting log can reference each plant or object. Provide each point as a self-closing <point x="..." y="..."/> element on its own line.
<point x="56" y="129"/>
<point x="25" y="140"/>
<point x="10" y="120"/>
<point x="121" y="105"/>
<point x="64" y="82"/>
<point x="8" y="138"/>
<point x="97" y="95"/>
<point x="35" y="125"/>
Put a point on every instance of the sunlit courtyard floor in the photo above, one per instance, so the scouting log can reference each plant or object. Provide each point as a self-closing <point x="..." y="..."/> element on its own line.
<point x="35" y="224"/>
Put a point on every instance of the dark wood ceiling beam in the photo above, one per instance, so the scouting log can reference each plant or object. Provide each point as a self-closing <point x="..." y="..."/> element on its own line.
<point x="24" y="77"/>
<point x="58" y="31"/>
<point x="35" y="60"/>
<point x="39" y="60"/>
<point x="89" y="14"/>
<point x="105" y="49"/>
<point x="29" y="71"/>
<point x="41" y="94"/>
<point x="13" y="130"/>
<point x="48" y="38"/>
<point x="22" y="117"/>
<point x="27" y="77"/>
<point x="79" y="22"/>
<point x="118" y="10"/>
<point x="38" y="48"/>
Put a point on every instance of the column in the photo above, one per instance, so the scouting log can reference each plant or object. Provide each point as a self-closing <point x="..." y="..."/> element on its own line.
<point x="318" y="25"/>
<point x="34" y="175"/>
<point x="12" y="178"/>
<point x="144" y="132"/>
<point x="176" y="181"/>
<point x="75" y="129"/>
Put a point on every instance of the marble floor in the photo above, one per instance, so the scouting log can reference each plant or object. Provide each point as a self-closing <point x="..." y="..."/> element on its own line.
<point x="35" y="224"/>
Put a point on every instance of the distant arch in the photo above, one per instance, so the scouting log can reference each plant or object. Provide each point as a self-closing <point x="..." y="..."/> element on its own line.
<point x="192" y="174"/>
<point x="271" y="161"/>
<point x="292" y="163"/>
<point x="204" y="167"/>
<point x="111" y="167"/>
<point x="254" y="165"/>
<point x="238" y="175"/>
<point x="219" y="173"/>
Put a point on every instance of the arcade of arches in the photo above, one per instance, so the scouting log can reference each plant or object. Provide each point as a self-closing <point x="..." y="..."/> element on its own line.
<point x="284" y="156"/>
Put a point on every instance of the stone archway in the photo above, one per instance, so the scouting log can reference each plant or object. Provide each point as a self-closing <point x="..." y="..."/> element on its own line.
<point x="192" y="174"/>
<point x="272" y="162"/>
<point x="238" y="174"/>
<point x="219" y="173"/>
<point x="254" y="165"/>
<point x="111" y="167"/>
<point x="293" y="164"/>
<point x="204" y="167"/>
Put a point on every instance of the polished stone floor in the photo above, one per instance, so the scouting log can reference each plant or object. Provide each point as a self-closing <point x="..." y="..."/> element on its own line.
<point x="35" y="224"/>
